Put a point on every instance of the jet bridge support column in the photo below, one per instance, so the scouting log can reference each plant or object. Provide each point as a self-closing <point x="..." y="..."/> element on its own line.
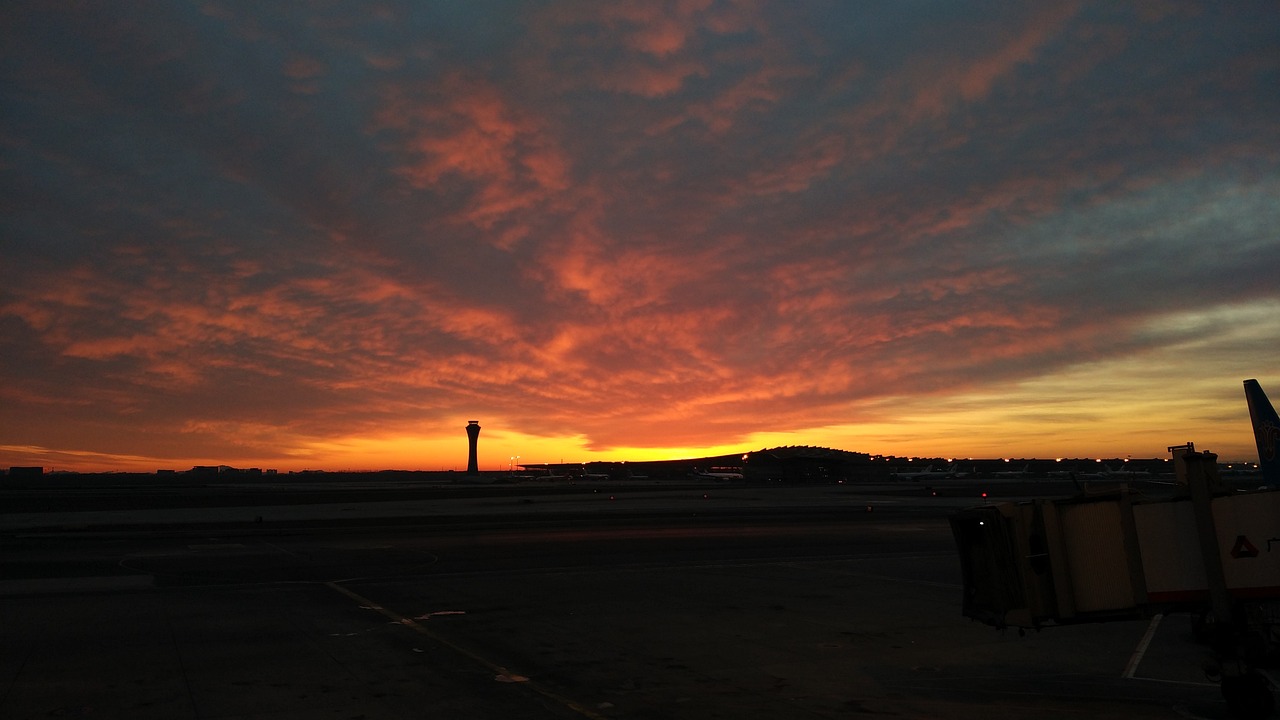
<point x="1199" y="472"/>
<point x="1247" y="692"/>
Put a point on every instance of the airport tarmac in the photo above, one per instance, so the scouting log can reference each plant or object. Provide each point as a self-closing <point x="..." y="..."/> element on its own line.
<point x="631" y="602"/>
<point x="79" y="508"/>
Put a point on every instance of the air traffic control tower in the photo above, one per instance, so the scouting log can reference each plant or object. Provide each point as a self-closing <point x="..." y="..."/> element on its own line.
<point x="473" y="435"/>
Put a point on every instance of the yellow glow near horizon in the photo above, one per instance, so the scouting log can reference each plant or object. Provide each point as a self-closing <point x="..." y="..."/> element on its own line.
<point x="1090" y="411"/>
<point x="1122" y="408"/>
<point x="495" y="449"/>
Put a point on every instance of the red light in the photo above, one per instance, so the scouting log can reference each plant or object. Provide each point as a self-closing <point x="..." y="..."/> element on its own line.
<point x="984" y="494"/>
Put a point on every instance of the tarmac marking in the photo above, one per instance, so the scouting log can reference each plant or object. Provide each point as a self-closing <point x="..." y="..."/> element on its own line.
<point x="501" y="674"/>
<point x="1130" y="671"/>
<point x="217" y="547"/>
<point x="1141" y="650"/>
<point x="279" y="549"/>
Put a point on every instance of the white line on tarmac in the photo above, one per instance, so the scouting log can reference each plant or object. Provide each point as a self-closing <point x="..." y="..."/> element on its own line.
<point x="1130" y="672"/>
<point x="1142" y="647"/>
<point x="501" y="673"/>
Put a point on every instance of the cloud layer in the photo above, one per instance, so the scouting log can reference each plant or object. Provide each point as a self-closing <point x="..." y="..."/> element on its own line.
<point x="240" y="232"/>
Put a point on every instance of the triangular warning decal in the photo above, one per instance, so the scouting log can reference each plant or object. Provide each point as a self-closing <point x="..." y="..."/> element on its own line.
<point x="1243" y="548"/>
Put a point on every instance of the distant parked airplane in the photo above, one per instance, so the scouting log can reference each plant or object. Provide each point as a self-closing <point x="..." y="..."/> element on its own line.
<point x="717" y="473"/>
<point x="1105" y="473"/>
<point x="926" y="474"/>
<point x="1115" y="475"/>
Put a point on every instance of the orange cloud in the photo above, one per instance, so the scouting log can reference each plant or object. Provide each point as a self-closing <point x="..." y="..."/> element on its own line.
<point x="651" y="50"/>
<point x="941" y="86"/>
<point x="464" y="128"/>
<point x="303" y="67"/>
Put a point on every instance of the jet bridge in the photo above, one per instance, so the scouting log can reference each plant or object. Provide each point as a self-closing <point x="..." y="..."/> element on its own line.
<point x="1110" y="556"/>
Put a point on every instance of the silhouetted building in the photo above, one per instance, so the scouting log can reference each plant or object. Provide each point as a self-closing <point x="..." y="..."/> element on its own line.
<point x="25" y="473"/>
<point x="805" y="464"/>
<point x="473" y="435"/>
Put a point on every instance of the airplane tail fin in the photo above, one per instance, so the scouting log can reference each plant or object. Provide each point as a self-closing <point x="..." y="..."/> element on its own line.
<point x="1266" y="431"/>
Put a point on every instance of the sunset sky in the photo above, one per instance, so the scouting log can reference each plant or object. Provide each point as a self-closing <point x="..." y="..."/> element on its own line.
<point x="327" y="234"/>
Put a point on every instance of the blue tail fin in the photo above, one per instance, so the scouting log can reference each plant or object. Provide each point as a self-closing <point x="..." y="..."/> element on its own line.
<point x="1266" y="430"/>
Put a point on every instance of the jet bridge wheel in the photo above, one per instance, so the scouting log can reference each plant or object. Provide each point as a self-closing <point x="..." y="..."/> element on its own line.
<point x="1248" y="696"/>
